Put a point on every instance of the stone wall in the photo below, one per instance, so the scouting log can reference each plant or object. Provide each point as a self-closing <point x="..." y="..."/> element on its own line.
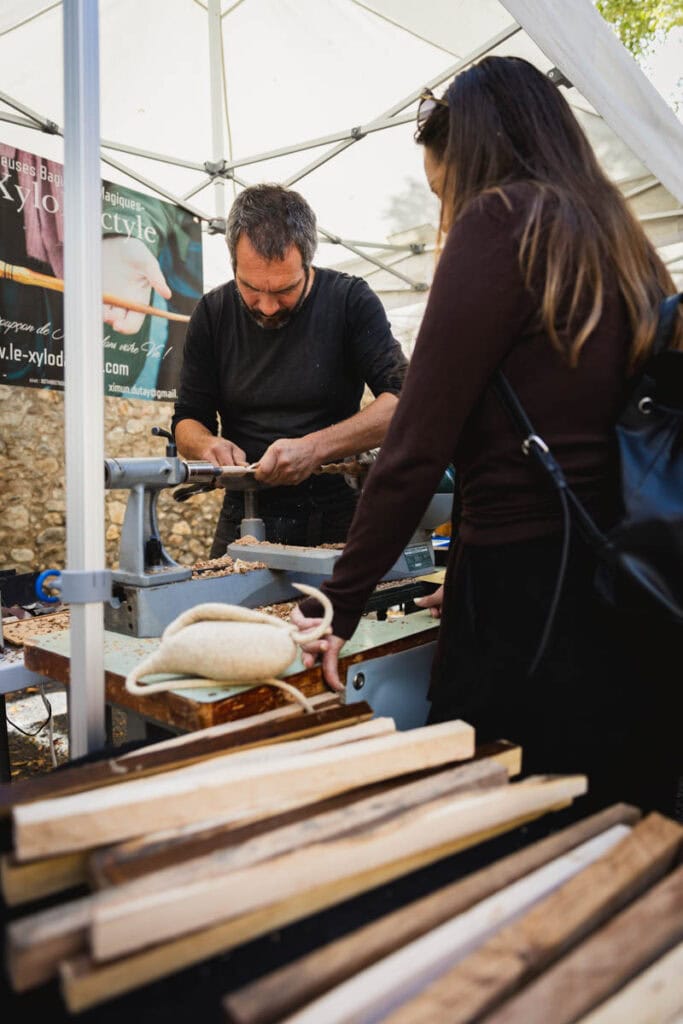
<point x="33" y="496"/>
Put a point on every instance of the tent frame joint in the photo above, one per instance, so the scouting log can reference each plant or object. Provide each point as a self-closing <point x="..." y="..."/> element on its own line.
<point x="217" y="226"/>
<point x="218" y="169"/>
<point x="558" y="78"/>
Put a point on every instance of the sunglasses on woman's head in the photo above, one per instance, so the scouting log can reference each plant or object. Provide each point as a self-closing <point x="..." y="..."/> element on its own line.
<point x="427" y="105"/>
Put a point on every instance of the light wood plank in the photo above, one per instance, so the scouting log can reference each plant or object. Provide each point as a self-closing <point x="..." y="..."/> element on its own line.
<point x="173" y="799"/>
<point x="277" y="726"/>
<point x="283" y="991"/>
<point x="653" y="997"/>
<point x="243" y="852"/>
<point x="85" y="983"/>
<point x="599" y="967"/>
<point x="37" y="943"/>
<point x="505" y="753"/>
<point x="50" y="942"/>
<point x="371" y="995"/>
<point x="520" y="951"/>
<point x="34" y="940"/>
<point x="34" y="880"/>
<point x="121" y="926"/>
<point x="128" y="861"/>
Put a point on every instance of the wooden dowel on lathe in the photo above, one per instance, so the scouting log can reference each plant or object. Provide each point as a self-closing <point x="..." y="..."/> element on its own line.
<point x="22" y="275"/>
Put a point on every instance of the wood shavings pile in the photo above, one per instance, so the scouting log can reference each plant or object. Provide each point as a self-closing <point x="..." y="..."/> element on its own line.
<point x="248" y="541"/>
<point x="16" y="631"/>
<point x="282" y="611"/>
<point x="223" y="566"/>
<point x="390" y="584"/>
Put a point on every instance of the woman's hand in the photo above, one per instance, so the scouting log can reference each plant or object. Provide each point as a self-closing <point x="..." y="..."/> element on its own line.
<point x="431" y="601"/>
<point x="325" y="650"/>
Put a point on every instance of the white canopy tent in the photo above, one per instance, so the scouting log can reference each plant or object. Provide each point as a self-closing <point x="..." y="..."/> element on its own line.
<point x="198" y="98"/>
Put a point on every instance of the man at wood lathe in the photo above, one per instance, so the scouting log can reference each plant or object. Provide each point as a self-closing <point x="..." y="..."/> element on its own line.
<point x="281" y="355"/>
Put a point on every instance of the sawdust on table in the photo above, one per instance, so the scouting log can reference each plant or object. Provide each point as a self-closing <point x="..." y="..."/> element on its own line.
<point x="248" y="541"/>
<point x="17" y="631"/>
<point x="223" y="566"/>
<point x="281" y="611"/>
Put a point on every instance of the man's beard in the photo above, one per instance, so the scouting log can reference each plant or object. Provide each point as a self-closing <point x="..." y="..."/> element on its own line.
<point x="279" y="319"/>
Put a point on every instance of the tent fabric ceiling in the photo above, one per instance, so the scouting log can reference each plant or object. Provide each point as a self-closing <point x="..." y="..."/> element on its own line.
<point x="293" y="71"/>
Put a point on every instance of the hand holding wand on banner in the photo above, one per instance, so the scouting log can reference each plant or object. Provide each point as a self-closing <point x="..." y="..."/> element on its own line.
<point x="129" y="270"/>
<point x="22" y="275"/>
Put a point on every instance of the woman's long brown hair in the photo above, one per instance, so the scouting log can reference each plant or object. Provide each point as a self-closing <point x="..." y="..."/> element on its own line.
<point x="507" y="122"/>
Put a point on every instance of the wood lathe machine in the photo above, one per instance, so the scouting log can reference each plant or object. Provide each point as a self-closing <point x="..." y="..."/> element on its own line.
<point x="150" y="589"/>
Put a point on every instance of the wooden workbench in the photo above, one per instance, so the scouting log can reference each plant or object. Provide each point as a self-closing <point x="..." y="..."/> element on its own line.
<point x="187" y="710"/>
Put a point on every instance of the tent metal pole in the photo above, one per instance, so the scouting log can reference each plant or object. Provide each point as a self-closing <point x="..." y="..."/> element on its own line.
<point x="197" y="189"/>
<point x="413" y="247"/>
<point x="34" y="120"/>
<point x="15" y="119"/>
<point x="162" y="158"/>
<point x="154" y="187"/>
<point x="83" y="368"/>
<point x="397" y="108"/>
<point x="39" y="121"/>
<point x="350" y="134"/>
<point x="216" y="84"/>
<point x="639" y="189"/>
<point x="418" y="286"/>
<point x="661" y="215"/>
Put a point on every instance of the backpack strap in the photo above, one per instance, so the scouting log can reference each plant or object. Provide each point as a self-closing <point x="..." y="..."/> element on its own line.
<point x="668" y="308"/>
<point x="533" y="444"/>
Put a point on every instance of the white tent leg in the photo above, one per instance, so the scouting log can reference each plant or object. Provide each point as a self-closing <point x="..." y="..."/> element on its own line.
<point x="83" y="366"/>
<point x="217" y="135"/>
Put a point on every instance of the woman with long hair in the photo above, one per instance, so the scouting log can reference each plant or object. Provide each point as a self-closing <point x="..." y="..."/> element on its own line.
<point x="546" y="275"/>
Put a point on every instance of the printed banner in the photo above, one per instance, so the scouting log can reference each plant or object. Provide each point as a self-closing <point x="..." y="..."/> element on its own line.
<point x="151" y="282"/>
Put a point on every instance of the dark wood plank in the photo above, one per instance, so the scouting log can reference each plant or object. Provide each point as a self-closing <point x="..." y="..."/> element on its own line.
<point x="519" y="952"/>
<point x="599" y="967"/>
<point x="282" y="992"/>
<point x="127" y="861"/>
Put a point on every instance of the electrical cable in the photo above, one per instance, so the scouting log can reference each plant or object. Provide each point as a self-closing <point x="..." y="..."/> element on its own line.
<point x="49" y="723"/>
<point x="40" y="728"/>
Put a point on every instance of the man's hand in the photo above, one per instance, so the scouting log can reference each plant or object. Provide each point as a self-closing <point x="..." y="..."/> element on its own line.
<point x="432" y="601"/>
<point x="326" y="649"/>
<point x="222" y="452"/>
<point x="129" y="271"/>
<point x="288" y="461"/>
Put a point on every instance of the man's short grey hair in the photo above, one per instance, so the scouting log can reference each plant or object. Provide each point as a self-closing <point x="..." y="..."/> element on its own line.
<point x="273" y="218"/>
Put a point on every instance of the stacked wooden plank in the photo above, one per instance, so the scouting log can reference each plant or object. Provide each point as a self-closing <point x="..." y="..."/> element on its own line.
<point x="190" y="847"/>
<point x="584" y="926"/>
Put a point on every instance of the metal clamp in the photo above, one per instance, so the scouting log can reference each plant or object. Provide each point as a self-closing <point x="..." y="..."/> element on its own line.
<point x="74" y="587"/>
<point x="534" y="439"/>
<point x="218" y="169"/>
<point x="217" y="226"/>
<point x="558" y="78"/>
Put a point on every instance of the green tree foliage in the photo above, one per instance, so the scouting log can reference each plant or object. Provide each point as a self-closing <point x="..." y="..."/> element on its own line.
<point x="640" y="23"/>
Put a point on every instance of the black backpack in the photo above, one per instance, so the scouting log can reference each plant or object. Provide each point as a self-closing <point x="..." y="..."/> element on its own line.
<point x="640" y="560"/>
